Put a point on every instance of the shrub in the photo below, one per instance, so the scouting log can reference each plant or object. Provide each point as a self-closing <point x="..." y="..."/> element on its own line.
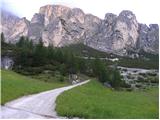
<point x="129" y="89"/>
<point x="125" y="85"/>
<point x="143" y="74"/>
<point x="29" y="70"/>
<point x="138" y="85"/>
<point x="50" y="67"/>
<point x="152" y="74"/>
<point x="140" y="79"/>
<point x="154" y="79"/>
<point x="61" y="78"/>
<point x="116" y="79"/>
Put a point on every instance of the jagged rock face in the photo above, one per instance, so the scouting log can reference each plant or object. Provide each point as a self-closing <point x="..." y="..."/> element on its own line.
<point x="116" y="33"/>
<point x="63" y="26"/>
<point x="51" y="12"/>
<point x="8" y="21"/>
<point x="126" y="31"/>
<point x="105" y="33"/>
<point x="148" y="38"/>
<point x="76" y="15"/>
<point x="21" y="28"/>
<point x="53" y="33"/>
<point x="36" y="27"/>
<point x="59" y="25"/>
<point x="91" y="26"/>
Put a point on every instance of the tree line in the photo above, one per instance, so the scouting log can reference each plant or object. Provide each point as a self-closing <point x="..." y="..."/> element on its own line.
<point x="34" y="58"/>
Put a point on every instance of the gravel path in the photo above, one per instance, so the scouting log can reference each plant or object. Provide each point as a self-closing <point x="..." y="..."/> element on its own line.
<point x="40" y="105"/>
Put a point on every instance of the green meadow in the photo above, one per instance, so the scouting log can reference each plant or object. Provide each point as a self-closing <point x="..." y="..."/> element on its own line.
<point x="93" y="100"/>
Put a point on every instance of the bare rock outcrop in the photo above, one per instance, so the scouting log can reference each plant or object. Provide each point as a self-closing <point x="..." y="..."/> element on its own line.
<point x="59" y="25"/>
<point x="148" y="38"/>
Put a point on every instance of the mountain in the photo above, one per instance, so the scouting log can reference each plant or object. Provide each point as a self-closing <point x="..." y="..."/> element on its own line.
<point x="59" y="26"/>
<point x="8" y="20"/>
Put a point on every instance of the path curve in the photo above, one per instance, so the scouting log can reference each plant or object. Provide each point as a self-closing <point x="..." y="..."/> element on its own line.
<point x="41" y="105"/>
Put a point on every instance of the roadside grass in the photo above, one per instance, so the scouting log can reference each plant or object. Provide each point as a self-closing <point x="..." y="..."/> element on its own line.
<point x="14" y="85"/>
<point x="93" y="100"/>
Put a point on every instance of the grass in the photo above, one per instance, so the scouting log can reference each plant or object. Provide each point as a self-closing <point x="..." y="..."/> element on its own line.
<point x="83" y="50"/>
<point x="14" y="85"/>
<point x="49" y="77"/>
<point x="93" y="100"/>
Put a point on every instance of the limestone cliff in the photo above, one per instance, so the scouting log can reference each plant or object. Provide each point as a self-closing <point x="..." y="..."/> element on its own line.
<point x="59" y="25"/>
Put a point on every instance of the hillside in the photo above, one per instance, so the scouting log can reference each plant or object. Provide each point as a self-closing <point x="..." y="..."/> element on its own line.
<point x="144" y="60"/>
<point x="14" y="85"/>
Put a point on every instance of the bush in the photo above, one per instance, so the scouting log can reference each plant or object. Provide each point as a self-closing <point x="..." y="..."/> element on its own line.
<point x="154" y="79"/>
<point x="140" y="79"/>
<point x="152" y="74"/>
<point x="29" y="70"/>
<point x="143" y="74"/>
<point x="50" y="67"/>
<point x="61" y="78"/>
<point x="116" y="79"/>
<point x="138" y="85"/>
<point x="125" y="85"/>
<point x="99" y="70"/>
<point x="129" y="89"/>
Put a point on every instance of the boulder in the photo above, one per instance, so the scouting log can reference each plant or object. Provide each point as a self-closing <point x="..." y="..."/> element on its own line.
<point x="7" y="62"/>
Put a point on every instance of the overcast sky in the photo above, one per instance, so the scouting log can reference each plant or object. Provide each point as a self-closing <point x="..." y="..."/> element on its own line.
<point x="147" y="11"/>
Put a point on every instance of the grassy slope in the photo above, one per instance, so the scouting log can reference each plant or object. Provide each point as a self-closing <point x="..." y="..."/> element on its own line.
<point x="95" y="101"/>
<point x="83" y="50"/>
<point x="15" y="85"/>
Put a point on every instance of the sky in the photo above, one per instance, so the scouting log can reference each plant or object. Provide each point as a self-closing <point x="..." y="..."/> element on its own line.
<point x="146" y="11"/>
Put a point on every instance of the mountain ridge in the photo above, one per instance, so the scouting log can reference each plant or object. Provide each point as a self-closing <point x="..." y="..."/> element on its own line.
<point x="59" y="25"/>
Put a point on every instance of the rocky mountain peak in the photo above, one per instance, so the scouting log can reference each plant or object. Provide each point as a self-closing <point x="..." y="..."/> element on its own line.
<point x="129" y="18"/>
<point x="8" y="20"/>
<point x="57" y="10"/>
<point x="59" y="25"/>
<point x="76" y="15"/>
<point x="38" y="18"/>
<point x="110" y="17"/>
<point x="148" y="38"/>
<point x="127" y="14"/>
<point x="51" y="12"/>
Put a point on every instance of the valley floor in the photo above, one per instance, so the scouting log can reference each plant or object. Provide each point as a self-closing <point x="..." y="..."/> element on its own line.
<point x="14" y="85"/>
<point x="93" y="100"/>
<point x="40" y="105"/>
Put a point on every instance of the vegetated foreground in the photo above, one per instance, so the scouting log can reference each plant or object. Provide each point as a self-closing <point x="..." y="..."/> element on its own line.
<point x="15" y="85"/>
<point x="41" y="105"/>
<point x="96" y="101"/>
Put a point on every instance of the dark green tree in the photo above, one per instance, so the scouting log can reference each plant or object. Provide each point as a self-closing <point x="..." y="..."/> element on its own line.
<point x="99" y="70"/>
<point x="63" y="69"/>
<point x="116" y="79"/>
<point x="103" y="76"/>
<point x="50" y="53"/>
<point x="59" y="55"/>
<point x="21" y="42"/>
<point x="82" y="66"/>
<point x="96" y="66"/>
<point x="2" y="38"/>
<point x="40" y="54"/>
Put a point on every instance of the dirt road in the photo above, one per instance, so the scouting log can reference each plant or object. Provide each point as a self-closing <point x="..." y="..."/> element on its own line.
<point x="41" y="105"/>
